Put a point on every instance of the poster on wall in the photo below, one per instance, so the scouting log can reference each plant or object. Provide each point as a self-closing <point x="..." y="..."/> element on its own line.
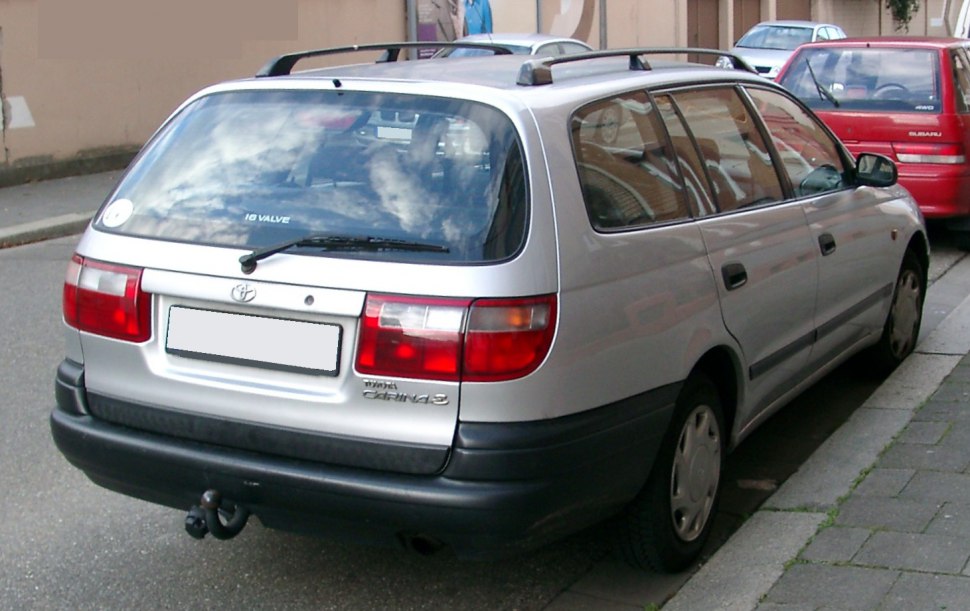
<point x="447" y="20"/>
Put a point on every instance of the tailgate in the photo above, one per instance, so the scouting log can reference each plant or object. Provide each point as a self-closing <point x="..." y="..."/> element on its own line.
<point x="267" y="367"/>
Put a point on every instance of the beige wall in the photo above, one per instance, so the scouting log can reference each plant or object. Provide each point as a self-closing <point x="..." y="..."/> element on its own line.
<point x="81" y="79"/>
<point x="646" y="23"/>
<point x="514" y="16"/>
<point x="870" y="18"/>
<point x="78" y="83"/>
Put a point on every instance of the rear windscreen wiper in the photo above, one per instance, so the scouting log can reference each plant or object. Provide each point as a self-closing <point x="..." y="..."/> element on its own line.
<point x="337" y="242"/>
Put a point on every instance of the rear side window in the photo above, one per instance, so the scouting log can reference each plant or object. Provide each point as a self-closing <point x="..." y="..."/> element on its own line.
<point x="734" y="153"/>
<point x="252" y="169"/>
<point x="625" y="167"/>
<point x="877" y="79"/>
<point x="571" y="47"/>
<point x="961" y="81"/>
<point x="696" y="177"/>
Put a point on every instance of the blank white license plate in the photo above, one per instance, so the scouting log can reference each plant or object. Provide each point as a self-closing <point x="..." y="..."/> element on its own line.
<point x="273" y="343"/>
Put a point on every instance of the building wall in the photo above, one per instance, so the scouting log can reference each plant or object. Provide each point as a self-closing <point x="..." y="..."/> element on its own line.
<point x="870" y="17"/>
<point x="88" y="82"/>
<point x="646" y="23"/>
<point x="84" y="83"/>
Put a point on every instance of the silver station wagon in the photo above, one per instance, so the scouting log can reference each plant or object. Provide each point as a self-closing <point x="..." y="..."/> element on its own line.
<point x="474" y="303"/>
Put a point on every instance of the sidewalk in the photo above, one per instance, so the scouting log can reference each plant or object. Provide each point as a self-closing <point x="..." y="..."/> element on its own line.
<point x="877" y="518"/>
<point x="52" y="208"/>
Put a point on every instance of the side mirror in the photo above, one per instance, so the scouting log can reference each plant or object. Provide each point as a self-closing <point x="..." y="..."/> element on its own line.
<point x="874" y="170"/>
<point x="821" y="179"/>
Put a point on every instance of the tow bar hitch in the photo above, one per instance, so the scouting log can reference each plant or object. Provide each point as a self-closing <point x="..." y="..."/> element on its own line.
<point x="204" y="518"/>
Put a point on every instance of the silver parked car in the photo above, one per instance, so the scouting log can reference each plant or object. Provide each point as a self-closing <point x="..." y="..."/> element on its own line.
<point x="559" y="293"/>
<point x="768" y="45"/>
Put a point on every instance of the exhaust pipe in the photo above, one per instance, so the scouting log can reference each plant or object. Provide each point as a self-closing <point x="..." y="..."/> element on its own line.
<point x="204" y="518"/>
<point x="423" y="545"/>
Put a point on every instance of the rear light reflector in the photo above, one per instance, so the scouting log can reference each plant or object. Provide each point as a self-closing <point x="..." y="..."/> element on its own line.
<point x="929" y="153"/>
<point x="454" y="339"/>
<point x="106" y="299"/>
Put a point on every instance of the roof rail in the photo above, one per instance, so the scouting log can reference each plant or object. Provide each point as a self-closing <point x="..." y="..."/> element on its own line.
<point x="283" y="64"/>
<point x="538" y="71"/>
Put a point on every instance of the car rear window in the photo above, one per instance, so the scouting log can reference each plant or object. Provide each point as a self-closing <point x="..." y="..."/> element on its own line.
<point x="780" y="37"/>
<point x="256" y="168"/>
<point x="469" y="52"/>
<point x="876" y="79"/>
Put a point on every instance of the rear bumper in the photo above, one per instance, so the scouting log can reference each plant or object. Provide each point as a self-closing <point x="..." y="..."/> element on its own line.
<point x="505" y="487"/>
<point x="942" y="191"/>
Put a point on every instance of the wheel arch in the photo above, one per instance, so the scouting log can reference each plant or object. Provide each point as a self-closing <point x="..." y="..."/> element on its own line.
<point x="721" y="365"/>
<point x="920" y="247"/>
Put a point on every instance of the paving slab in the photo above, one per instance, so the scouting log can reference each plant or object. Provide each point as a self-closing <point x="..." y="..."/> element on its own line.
<point x="907" y="515"/>
<point x="915" y="552"/>
<point x="884" y="482"/>
<point x="836" y="544"/>
<point x="916" y="591"/>
<point x="739" y="573"/>
<point x="832" y="586"/>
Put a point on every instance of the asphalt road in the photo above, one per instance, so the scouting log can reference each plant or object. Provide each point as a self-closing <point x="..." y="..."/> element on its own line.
<point x="69" y="544"/>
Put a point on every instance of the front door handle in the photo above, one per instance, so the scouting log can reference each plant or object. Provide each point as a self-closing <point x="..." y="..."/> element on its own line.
<point x="826" y="243"/>
<point x="735" y="276"/>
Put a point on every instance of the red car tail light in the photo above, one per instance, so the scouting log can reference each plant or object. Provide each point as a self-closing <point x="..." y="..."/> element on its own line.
<point x="411" y="337"/>
<point x="929" y="153"/>
<point x="454" y="339"/>
<point x="507" y="338"/>
<point x="106" y="299"/>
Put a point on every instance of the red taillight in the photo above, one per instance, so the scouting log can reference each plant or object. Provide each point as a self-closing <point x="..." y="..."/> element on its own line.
<point x="454" y="339"/>
<point x="952" y="153"/>
<point x="106" y="299"/>
<point x="411" y="337"/>
<point x="507" y="338"/>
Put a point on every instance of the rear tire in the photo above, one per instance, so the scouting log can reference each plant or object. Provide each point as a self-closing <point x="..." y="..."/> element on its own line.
<point x="667" y="525"/>
<point x="901" y="330"/>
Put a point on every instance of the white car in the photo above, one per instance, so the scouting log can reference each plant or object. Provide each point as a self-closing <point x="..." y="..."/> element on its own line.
<point x="519" y="44"/>
<point x="768" y="45"/>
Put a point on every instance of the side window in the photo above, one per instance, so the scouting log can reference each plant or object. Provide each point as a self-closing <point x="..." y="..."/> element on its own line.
<point x="731" y="146"/>
<point x="571" y="47"/>
<point x="625" y="168"/>
<point x="961" y="81"/>
<point x="809" y="155"/>
<point x="548" y="50"/>
<point x="692" y="170"/>
<point x="822" y="34"/>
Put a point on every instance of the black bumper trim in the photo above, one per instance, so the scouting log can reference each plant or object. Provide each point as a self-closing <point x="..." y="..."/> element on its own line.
<point x="287" y="443"/>
<point x="69" y="388"/>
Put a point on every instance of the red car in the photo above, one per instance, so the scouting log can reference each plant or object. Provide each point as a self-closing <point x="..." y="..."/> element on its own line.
<point x="905" y="97"/>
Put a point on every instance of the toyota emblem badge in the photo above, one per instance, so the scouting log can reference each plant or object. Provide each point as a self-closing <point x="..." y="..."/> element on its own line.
<point x="243" y="293"/>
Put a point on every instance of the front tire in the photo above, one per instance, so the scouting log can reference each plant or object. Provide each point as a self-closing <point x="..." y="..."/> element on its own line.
<point x="666" y="526"/>
<point x="901" y="330"/>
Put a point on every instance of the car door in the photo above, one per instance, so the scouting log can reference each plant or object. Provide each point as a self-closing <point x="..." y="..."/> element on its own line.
<point x="759" y="246"/>
<point x="855" y="270"/>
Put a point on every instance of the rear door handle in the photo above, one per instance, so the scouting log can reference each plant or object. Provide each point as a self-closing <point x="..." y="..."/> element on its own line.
<point x="735" y="276"/>
<point x="826" y="243"/>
